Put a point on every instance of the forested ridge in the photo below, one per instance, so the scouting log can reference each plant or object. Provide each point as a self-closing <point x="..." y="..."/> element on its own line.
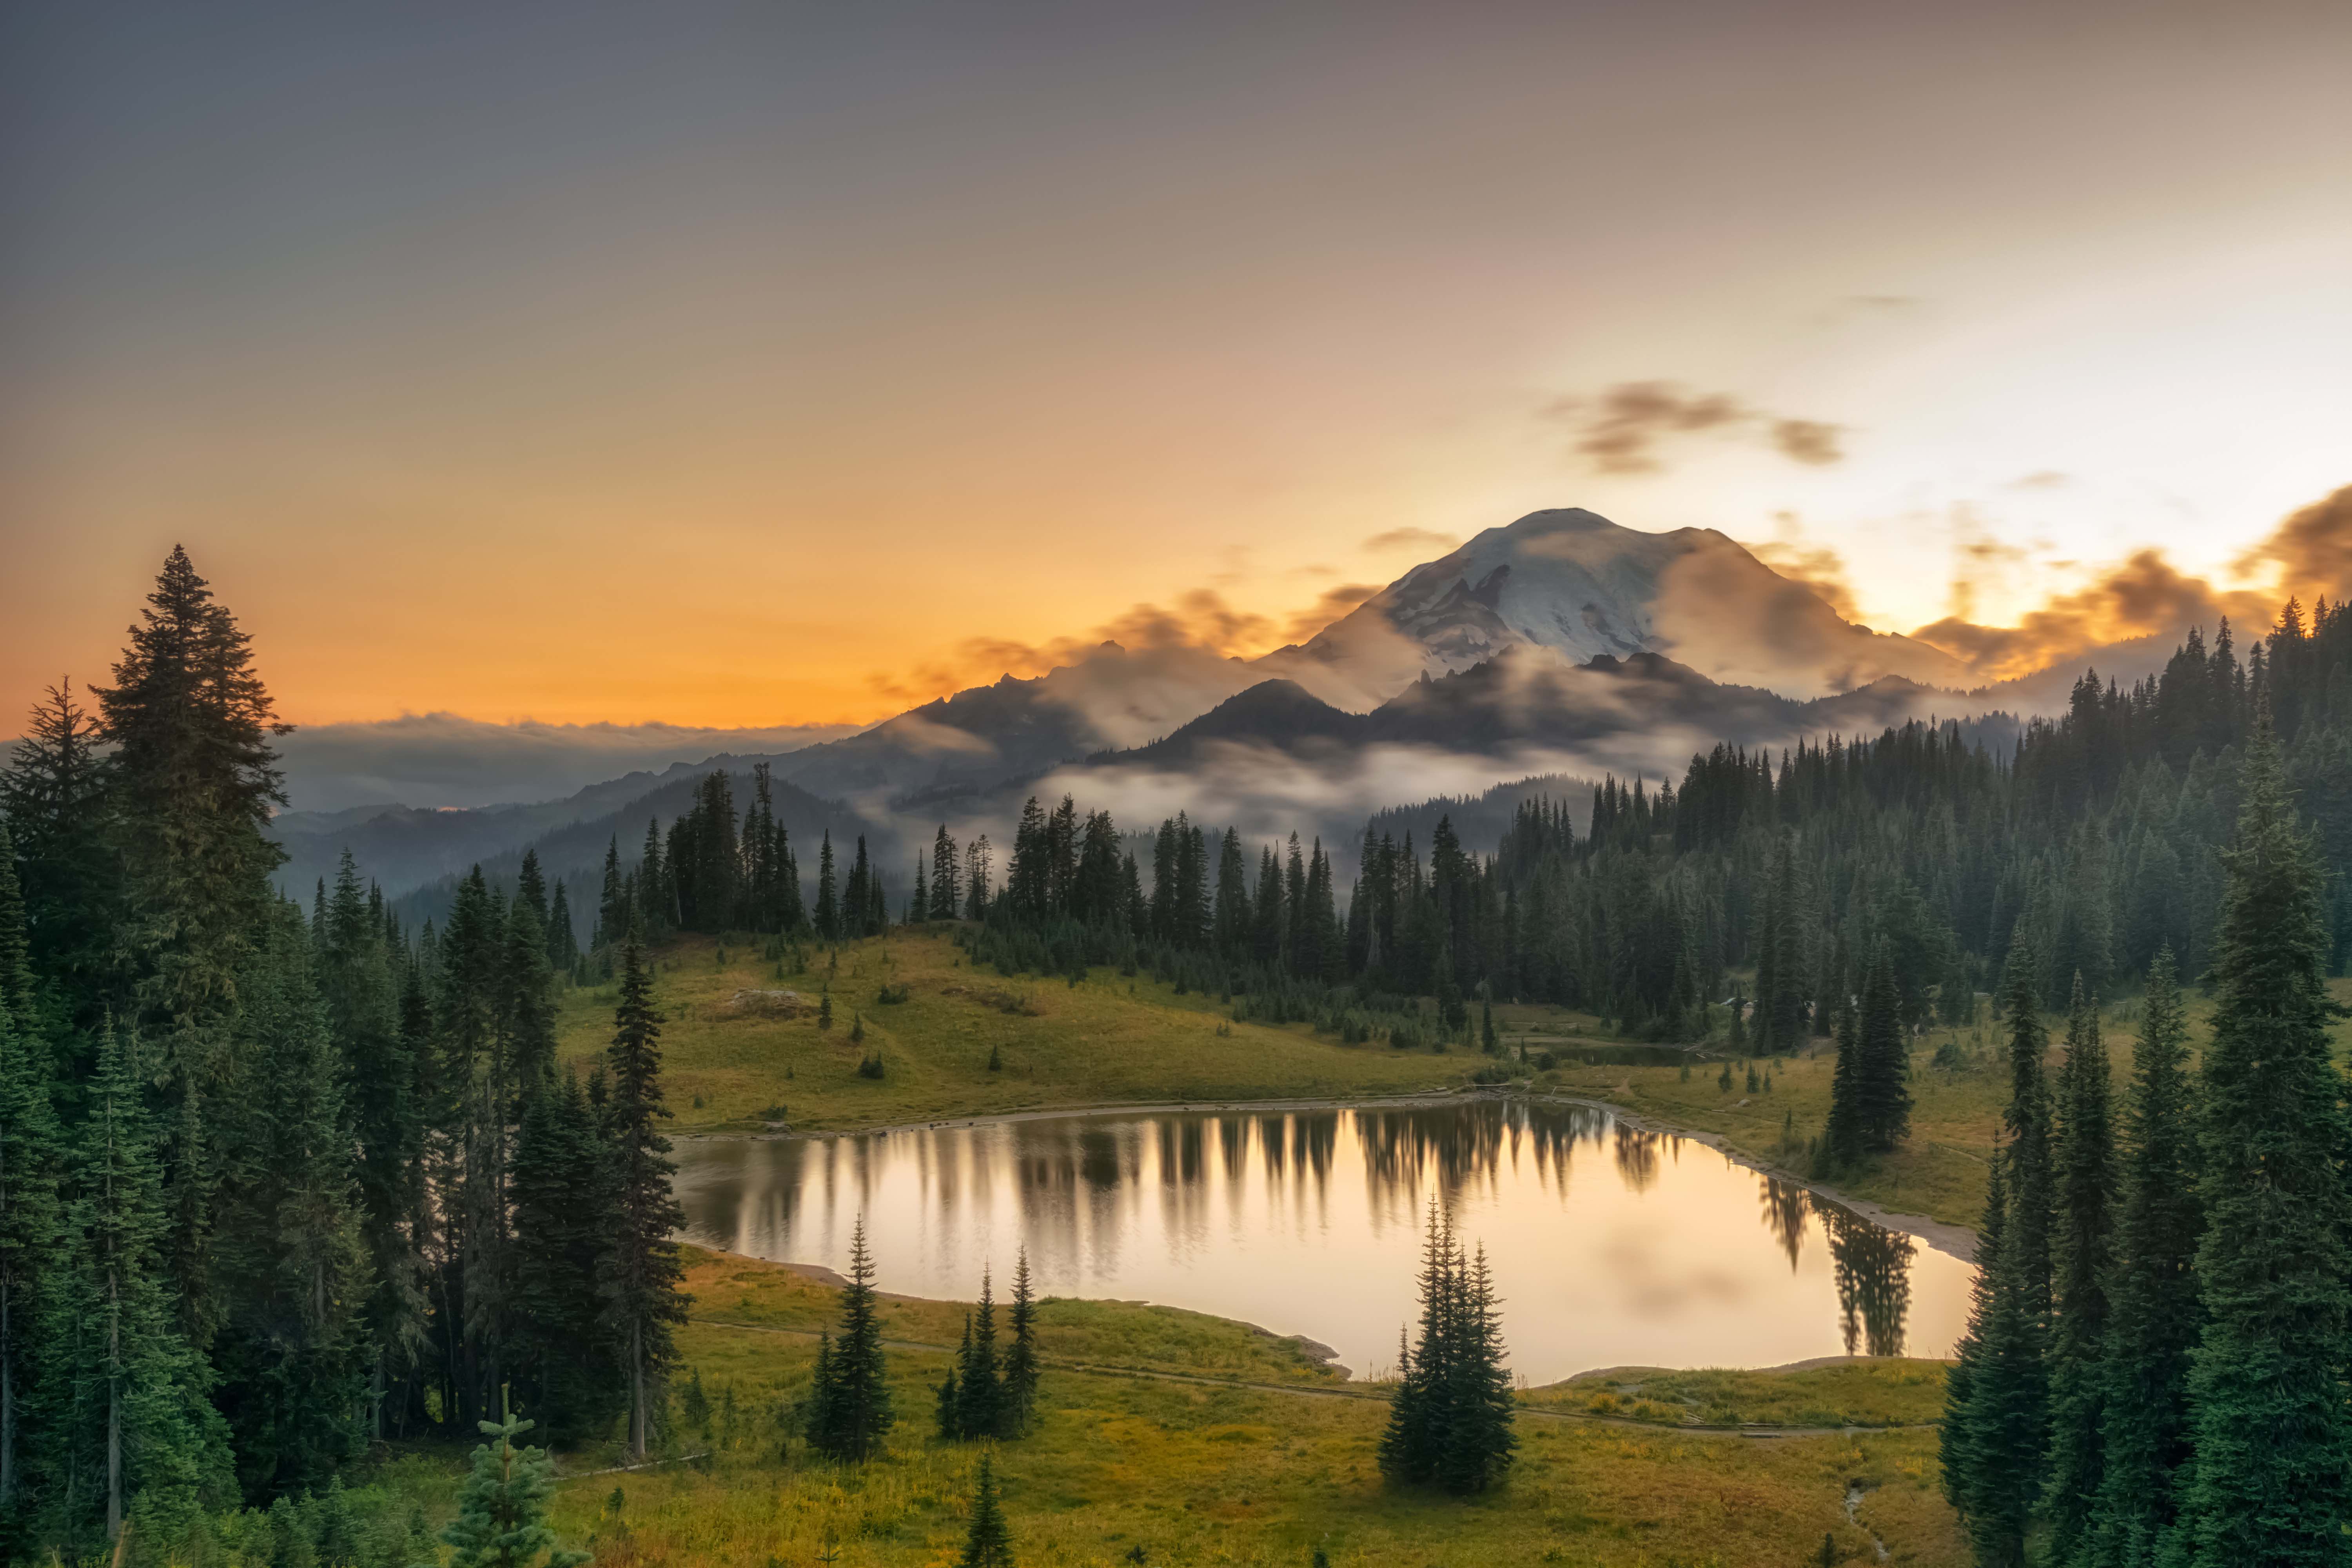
<point x="2096" y="843"/>
<point x="276" y="1183"/>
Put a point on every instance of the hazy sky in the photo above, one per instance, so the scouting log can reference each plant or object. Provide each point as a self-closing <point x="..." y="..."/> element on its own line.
<point x="742" y="363"/>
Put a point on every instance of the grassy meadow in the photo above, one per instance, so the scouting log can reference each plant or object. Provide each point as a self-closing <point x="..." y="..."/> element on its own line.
<point x="1107" y="1041"/>
<point x="935" y="1022"/>
<point x="1168" y="1437"/>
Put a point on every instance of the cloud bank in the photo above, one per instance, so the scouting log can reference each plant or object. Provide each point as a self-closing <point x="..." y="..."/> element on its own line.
<point x="441" y="760"/>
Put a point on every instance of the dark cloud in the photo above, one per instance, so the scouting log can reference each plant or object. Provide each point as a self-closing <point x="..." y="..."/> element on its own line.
<point x="1620" y="431"/>
<point x="2311" y="549"/>
<point x="2145" y="595"/>
<point x="1413" y="539"/>
<point x="1807" y="441"/>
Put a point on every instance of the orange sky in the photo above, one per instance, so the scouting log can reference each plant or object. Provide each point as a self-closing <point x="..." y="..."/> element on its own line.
<point x="693" y="365"/>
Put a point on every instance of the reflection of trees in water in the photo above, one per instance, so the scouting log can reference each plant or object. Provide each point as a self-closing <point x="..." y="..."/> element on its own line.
<point x="1637" y="1157"/>
<point x="1786" y="1205"/>
<point x="1873" y="1281"/>
<point x="1456" y="1147"/>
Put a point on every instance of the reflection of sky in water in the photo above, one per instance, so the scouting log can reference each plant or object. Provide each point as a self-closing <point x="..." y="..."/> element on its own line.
<point x="1609" y="1246"/>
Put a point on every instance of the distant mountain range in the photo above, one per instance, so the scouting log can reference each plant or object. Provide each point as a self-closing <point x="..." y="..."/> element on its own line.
<point x="1562" y="644"/>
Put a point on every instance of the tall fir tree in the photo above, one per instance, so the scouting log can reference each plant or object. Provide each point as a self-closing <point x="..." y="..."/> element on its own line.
<point x="1021" y="1356"/>
<point x="644" y="1302"/>
<point x="2271" y="1481"/>
<point x="1841" y="1135"/>
<point x="850" y="1410"/>
<point x="140" y="1422"/>
<point x="195" y="781"/>
<point x="1997" y="1426"/>
<point x="32" y="1256"/>
<point x="2083" y="1170"/>
<point x="2154" y="1318"/>
<point x="1449" y="1416"/>
<point x="56" y="794"/>
<point x="828" y="902"/>
<point x="566" y="1222"/>
<point x="362" y="998"/>
<point x="979" y="1382"/>
<point x="291" y="1263"/>
<point x="1883" y="1064"/>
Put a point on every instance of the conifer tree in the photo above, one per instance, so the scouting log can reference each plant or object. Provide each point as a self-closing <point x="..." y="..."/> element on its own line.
<point x="2271" y="1481"/>
<point x="950" y="1414"/>
<point x="290" y="1260"/>
<point x="642" y="1301"/>
<point x="1477" y="1442"/>
<point x="851" y="1412"/>
<point x="1997" y="1417"/>
<point x="1021" y="1356"/>
<point x="1957" y="1448"/>
<point x="2153" y="1317"/>
<point x="2085" y="1172"/>
<point x="988" y="1544"/>
<point x="57" y="796"/>
<point x="945" y="866"/>
<point x="979" y="1387"/>
<point x="828" y="905"/>
<point x="563" y="940"/>
<point x="142" y="1419"/>
<point x="565" y="1229"/>
<point x="613" y="915"/>
<point x="194" y="780"/>
<point x="1450" y="1417"/>
<point x="363" y="1001"/>
<point x="1882" y="1100"/>
<point x="502" y="1510"/>
<point x="1842" y="1136"/>
<point x="31" y="1245"/>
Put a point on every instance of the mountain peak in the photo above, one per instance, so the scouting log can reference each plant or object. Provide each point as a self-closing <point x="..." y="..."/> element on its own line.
<point x="1573" y="580"/>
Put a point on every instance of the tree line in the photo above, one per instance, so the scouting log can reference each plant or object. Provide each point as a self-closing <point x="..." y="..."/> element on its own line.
<point x="275" y="1183"/>
<point x="2155" y="1361"/>
<point x="2089" y="851"/>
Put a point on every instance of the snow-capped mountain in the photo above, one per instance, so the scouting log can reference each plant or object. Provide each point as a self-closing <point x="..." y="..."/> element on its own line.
<point x="1573" y="580"/>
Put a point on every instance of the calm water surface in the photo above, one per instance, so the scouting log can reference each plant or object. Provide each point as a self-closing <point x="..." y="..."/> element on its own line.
<point x="1611" y="1246"/>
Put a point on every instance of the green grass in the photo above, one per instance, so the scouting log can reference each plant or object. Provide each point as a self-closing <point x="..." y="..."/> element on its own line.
<point x="1106" y="1041"/>
<point x="1863" y="1393"/>
<point x="1940" y="1171"/>
<point x="1225" y="1474"/>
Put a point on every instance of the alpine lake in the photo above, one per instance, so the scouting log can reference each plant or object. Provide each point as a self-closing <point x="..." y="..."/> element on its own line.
<point x="1611" y="1246"/>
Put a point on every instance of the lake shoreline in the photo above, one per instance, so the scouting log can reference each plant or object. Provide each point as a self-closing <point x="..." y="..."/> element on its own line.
<point x="1955" y="1240"/>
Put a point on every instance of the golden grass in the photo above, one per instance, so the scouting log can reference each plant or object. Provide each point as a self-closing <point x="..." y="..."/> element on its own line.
<point x="1106" y="1041"/>
<point x="1863" y="1393"/>
<point x="1940" y="1171"/>
<point x="1201" y="1474"/>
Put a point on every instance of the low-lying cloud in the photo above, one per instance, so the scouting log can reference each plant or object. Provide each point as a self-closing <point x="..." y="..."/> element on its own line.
<point x="437" y="760"/>
<point x="1622" y="429"/>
